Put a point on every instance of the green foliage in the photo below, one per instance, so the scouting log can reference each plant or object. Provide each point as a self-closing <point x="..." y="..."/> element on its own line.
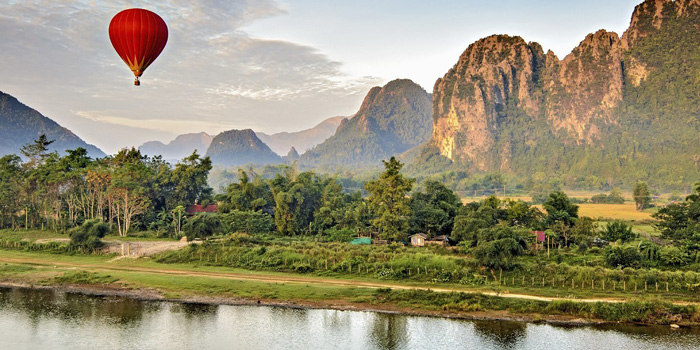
<point x="251" y="222"/>
<point x="499" y="247"/>
<point x="615" y="197"/>
<point x="89" y="235"/>
<point x="202" y="226"/>
<point x="681" y="221"/>
<point x="433" y="210"/>
<point x="673" y="256"/>
<point x="641" y="194"/>
<point x="388" y="201"/>
<point x="616" y="256"/>
<point x="617" y="230"/>
<point x="83" y="277"/>
<point x="560" y="209"/>
<point x="474" y="217"/>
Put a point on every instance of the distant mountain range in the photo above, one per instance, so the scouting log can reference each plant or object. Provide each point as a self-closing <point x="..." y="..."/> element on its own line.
<point x="179" y="148"/>
<point x="303" y="140"/>
<point x="20" y="125"/>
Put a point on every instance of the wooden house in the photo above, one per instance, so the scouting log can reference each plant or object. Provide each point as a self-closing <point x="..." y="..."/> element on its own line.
<point x="441" y="240"/>
<point x="418" y="239"/>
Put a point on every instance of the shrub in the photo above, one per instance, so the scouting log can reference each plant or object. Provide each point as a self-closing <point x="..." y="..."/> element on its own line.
<point x="89" y="235"/>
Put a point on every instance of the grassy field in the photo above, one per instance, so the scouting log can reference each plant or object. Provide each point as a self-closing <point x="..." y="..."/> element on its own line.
<point x="134" y="276"/>
<point x="626" y="212"/>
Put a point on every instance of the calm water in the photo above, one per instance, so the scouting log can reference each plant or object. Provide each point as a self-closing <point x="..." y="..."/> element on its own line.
<point x="32" y="319"/>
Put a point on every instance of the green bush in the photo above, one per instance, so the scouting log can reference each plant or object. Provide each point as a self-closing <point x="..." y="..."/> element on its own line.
<point x="89" y="235"/>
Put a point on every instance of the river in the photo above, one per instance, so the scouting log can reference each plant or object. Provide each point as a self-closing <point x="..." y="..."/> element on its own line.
<point x="47" y="319"/>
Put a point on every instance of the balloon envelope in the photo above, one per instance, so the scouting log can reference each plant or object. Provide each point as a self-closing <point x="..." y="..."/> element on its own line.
<point x="139" y="36"/>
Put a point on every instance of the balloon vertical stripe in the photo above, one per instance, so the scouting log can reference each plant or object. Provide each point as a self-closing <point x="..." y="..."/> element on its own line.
<point x="138" y="36"/>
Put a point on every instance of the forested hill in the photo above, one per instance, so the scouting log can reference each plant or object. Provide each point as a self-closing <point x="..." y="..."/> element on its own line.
<point x="20" y="125"/>
<point x="239" y="147"/>
<point x="391" y="120"/>
<point x="616" y="110"/>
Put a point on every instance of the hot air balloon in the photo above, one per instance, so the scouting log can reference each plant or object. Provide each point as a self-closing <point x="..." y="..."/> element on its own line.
<point x="139" y="36"/>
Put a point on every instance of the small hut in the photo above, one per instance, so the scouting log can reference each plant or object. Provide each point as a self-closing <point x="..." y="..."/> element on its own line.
<point x="441" y="240"/>
<point x="418" y="239"/>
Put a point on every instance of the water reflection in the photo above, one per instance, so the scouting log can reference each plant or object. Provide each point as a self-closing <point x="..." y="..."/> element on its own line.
<point x="388" y="331"/>
<point x="195" y="310"/>
<point x="44" y="319"/>
<point x="505" y="334"/>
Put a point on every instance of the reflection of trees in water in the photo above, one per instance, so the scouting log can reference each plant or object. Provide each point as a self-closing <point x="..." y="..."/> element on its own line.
<point x="389" y="331"/>
<point x="195" y="310"/>
<point x="506" y="334"/>
<point x="338" y="320"/>
<point x="75" y="307"/>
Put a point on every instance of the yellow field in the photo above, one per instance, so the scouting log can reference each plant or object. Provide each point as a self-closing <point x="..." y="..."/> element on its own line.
<point x="625" y="211"/>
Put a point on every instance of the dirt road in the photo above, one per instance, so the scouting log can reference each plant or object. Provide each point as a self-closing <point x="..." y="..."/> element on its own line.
<point x="288" y="278"/>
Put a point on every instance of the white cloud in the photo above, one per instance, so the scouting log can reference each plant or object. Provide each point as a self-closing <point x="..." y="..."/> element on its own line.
<point x="211" y="76"/>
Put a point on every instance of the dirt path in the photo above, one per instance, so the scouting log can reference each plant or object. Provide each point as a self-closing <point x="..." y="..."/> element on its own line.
<point x="294" y="279"/>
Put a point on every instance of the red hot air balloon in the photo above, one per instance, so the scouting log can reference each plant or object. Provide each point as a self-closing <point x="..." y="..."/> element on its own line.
<point x="139" y="36"/>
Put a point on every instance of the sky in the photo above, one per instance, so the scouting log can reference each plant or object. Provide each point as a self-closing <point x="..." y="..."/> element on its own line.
<point x="268" y="65"/>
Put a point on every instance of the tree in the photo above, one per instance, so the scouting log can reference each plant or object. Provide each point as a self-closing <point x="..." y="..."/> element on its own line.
<point x="499" y="247"/>
<point x="10" y="186"/>
<point x="617" y="230"/>
<point x="202" y="226"/>
<point x="36" y="152"/>
<point x="681" y="221"/>
<point x="388" y="201"/>
<point x="560" y="209"/>
<point x="641" y="195"/>
<point x="190" y="180"/>
<point x="434" y="210"/>
<point x="128" y="189"/>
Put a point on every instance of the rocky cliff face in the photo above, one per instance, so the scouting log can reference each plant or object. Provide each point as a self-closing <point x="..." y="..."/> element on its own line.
<point x="492" y="77"/>
<point x="506" y="101"/>
<point x="391" y="120"/>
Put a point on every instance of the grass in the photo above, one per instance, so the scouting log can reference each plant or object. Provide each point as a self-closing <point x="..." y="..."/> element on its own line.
<point x="99" y="271"/>
<point x="626" y="212"/>
<point x="29" y="235"/>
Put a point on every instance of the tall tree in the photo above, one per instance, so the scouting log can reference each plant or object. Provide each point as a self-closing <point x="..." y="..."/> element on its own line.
<point x="388" y="201"/>
<point x="10" y="185"/>
<point x="190" y="179"/>
<point x="434" y="210"/>
<point x="641" y="194"/>
<point x="36" y="152"/>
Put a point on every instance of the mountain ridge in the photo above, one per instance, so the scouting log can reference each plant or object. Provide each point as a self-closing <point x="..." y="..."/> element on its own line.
<point x="21" y="124"/>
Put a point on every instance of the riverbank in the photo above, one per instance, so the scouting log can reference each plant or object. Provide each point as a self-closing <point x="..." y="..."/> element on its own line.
<point x="341" y="305"/>
<point x="146" y="280"/>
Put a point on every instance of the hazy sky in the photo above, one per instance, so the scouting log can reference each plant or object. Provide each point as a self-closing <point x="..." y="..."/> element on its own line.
<point x="262" y="64"/>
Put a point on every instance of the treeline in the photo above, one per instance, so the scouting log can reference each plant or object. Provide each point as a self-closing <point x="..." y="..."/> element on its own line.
<point x="127" y="191"/>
